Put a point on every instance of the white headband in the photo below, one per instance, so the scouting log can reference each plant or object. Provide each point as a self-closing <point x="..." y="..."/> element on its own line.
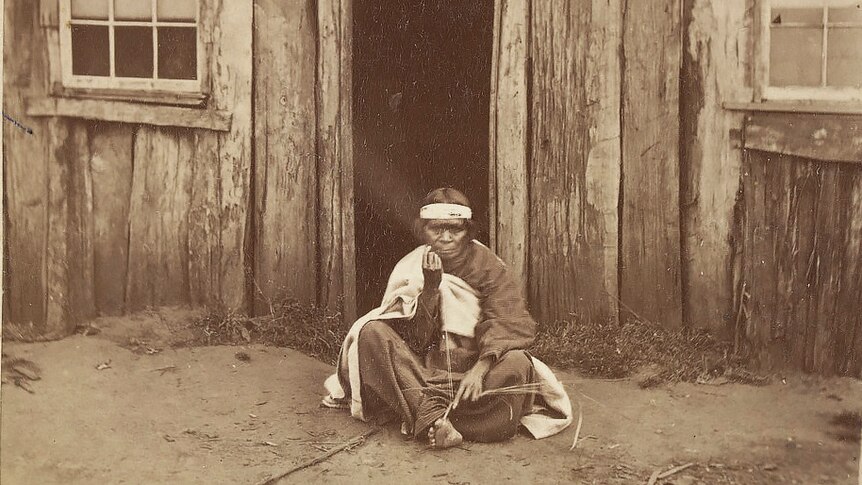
<point x="445" y="211"/>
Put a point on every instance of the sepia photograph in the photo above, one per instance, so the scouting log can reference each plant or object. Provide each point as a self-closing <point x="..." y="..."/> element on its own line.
<point x="454" y="242"/>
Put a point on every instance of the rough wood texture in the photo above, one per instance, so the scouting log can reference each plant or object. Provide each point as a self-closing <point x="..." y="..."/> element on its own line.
<point x="650" y="251"/>
<point x="111" y="166"/>
<point x="158" y="219"/>
<point x="285" y="165"/>
<point x="714" y="69"/>
<point x="205" y="222"/>
<point x="231" y="65"/>
<point x="508" y="139"/>
<point x="126" y="112"/>
<point x="334" y="157"/>
<point x="821" y="137"/>
<point x="802" y="263"/>
<point x="574" y="177"/>
<point x="25" y="168"/>
<point x="69" y="255"/>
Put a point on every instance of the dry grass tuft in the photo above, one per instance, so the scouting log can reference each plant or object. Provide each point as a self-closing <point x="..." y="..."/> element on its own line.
<point x="293" y="324"/>
<point x="606" y="349"/>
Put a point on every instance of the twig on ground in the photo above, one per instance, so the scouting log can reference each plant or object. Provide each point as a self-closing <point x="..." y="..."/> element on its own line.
<point x="578" y="428"/>
<point x="659" y="475"/>
<point x="349" y="444"/>
<point x="675" y="470"/>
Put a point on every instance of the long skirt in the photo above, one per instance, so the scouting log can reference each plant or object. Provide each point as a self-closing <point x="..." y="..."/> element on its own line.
<point x="395" y="380"/>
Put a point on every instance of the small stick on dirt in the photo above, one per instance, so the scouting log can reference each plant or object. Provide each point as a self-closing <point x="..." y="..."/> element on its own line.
<point x="578" y="429"/>
<point x="356" y="440"/>
<point x="162" y="370"/>
<point x="659" y="475"/>
<point x="675" y="470"/>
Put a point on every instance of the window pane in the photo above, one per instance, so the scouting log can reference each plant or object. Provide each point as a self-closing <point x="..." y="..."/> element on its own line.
<point x="90" y="9"/>
<point x="844" y="57"/>
<point x="812" y="16"/>
<point x="177" y="10"/>
<point x="852" y="13"/>
<point x="133" y="10"/>
<point x="90" y="55"/>
<point x="133" y="51"/>
<point x="795" y="56"/>
<point x="178" y="53"/>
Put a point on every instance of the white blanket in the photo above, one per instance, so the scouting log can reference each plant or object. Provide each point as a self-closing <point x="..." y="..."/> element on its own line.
<point x="459" y="313"/>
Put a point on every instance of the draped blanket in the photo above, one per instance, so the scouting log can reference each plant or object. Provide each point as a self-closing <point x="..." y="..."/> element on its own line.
<point x="459" y="313"/>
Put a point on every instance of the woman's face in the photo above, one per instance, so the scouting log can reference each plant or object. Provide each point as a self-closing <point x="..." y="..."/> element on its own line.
<point x="447" y="237"/>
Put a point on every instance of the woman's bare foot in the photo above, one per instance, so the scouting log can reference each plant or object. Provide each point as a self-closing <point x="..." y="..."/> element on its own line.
<point x="443" y="435"/>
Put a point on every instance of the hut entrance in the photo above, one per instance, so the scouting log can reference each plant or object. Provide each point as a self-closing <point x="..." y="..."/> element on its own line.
<point x="421" y="85"/>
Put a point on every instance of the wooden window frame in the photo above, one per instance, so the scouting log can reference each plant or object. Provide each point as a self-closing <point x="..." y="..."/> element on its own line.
<point x="153" y="90"/>
<point x="825" y="97"/>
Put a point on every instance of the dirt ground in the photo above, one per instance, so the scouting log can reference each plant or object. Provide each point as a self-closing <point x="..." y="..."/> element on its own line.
<point x="158" y="413"/>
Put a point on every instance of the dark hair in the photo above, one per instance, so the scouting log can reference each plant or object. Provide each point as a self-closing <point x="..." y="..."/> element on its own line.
<point x="444" y="195"/>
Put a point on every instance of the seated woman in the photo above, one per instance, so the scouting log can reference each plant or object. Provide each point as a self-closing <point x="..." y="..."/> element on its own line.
<point x="445" y="352"/>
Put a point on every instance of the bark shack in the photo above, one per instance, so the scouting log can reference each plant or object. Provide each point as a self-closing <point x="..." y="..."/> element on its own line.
<point x="629" y="160"/>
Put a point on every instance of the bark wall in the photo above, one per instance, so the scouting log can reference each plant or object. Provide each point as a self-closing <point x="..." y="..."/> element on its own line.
<point x="574" y="167"/>
<point x="802" y="264"/>
<point x="285" y="214"/>
<point x="650" y="272"/>
<point x="106" y="218"/>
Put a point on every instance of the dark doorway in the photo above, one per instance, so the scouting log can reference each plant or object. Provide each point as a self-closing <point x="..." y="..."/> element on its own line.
<point x="422" y="77"/>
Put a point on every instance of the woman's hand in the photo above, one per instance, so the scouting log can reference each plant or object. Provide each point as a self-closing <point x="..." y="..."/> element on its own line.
<point x="471" y="385"/>
<point x="432" y="269"/>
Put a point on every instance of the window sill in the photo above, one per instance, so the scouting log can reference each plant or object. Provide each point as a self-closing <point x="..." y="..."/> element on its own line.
<point x="128" y="112"/>
<point x="812" y="107"/>
<point x="151" y="97"/>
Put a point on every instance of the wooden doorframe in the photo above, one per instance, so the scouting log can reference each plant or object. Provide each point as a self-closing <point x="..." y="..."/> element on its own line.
<point x="508" y="197"/>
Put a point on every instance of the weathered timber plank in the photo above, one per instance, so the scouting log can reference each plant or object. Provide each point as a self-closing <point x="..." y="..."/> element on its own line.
<point x="158" y="219"/>
<point x="715" y="65"/>
<point x="232" y="92"/>
<point x="111" y="166"/>
<point x="508" y="152"/>
<point x="574" y="176"/>
<point x="830" y="234"/>
<point x="25" y="169"/>
<point x="802" y="263"/>
<point x="348" y="230"/>
<point x="69" y="255"/>
<point x="650" y="251"/>
<point x="329" y="157"/>
<point x="820" y="137"/>
<point x="204" y="222"/>
<point x="285" y="166"/>
<point x="851" y="296"/>
<point x="127" y="112"/>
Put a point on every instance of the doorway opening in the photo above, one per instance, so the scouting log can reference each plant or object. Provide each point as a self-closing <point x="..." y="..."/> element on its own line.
<point x="421" y="88"/>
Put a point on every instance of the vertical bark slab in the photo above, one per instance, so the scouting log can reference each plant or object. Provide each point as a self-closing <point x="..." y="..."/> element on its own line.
<point x="575" y="158"/>
<point x="111" y="165"/>
<point x="158" y="219"/>
<point x="336" y="271"/>
<point x="285" y="165"/>
<point x="204" y="221"/>
<point x="803" y="256"/>
<point x="650" y="283"/>
<point x="715" y="69"/>
<point x="69" y="254"/>
<point x="25" y="168"/>
<point x="508" y="136"/>
<point x="231" y="67"/>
